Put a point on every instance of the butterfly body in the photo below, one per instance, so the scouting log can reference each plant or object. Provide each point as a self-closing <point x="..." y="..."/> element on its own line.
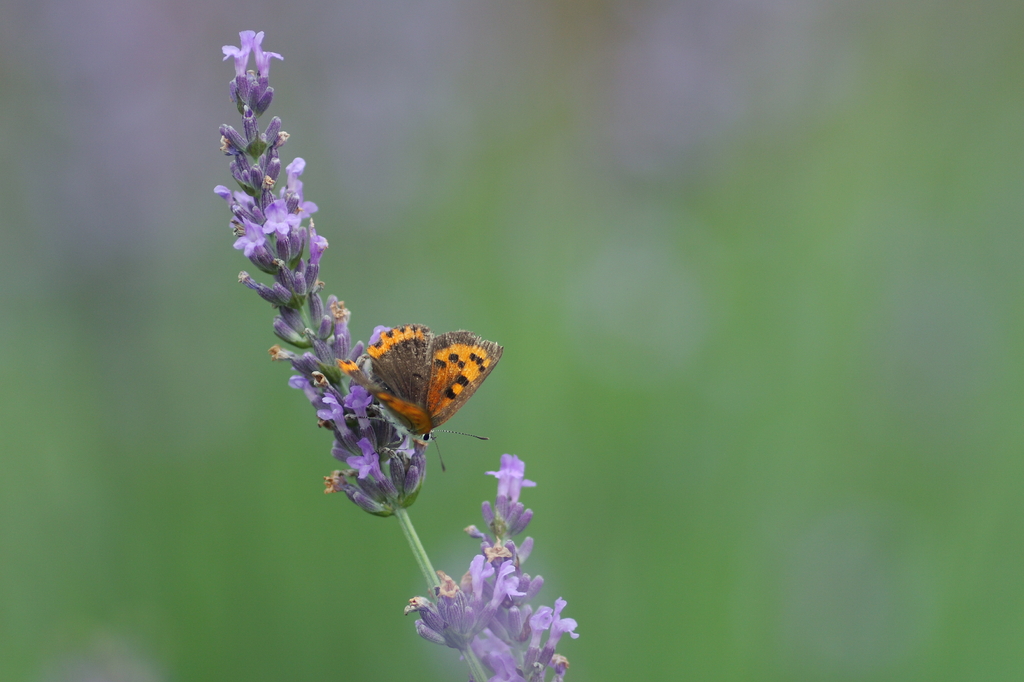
<point x="424" y="379"/>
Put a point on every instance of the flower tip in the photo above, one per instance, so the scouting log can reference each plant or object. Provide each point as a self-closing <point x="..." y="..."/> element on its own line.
<point x="448" y="588"/>
<point x="416" y="604"/>
<point x="278" y="354"/>
<point x="334" y="482"/>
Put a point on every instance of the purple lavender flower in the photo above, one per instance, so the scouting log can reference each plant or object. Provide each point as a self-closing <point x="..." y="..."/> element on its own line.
<point x="489" y="611"/>
<point x="251" y="89"/>
<point x="334" y="410"/>
<point x="508" y="517"/>
<point x="458" y="616"/>
<point x="263" y="58"/>
<point x="317" y="246"/>
<point x="251" y="239"/>
<point x="241" y="54"/>
<point x="376" y="486"/>
<point x="293" y="188"/>
<point x="223" y="192"/>
<point x="368" y="462"/>
<point x="388" y="467"/>
<point x="358" y="402"/>
<point x="548" y="619"/>
<point x="511" y="477"/>
<point x="279" y="220"/>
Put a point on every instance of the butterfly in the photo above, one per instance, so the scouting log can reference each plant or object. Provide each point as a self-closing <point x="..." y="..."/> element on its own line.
<point x="424" y="379"/>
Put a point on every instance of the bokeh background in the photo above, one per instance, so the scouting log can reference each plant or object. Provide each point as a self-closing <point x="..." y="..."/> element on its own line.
<point x="756" y="265"/>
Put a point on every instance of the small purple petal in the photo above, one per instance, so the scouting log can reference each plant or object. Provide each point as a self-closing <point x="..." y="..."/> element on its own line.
<point x="510" y="477"/>
<point x="541" y="621"/>
<point x="358" y="399"/>
<point x="294" y="170"/>
<point x="294" y="188"/>
<point x="252" y="238"/>
<point x="317" y="246"/>
<point x="560" y="625"/>
<point x="479" y="570"/>
<point x="241" y="54"/>
<point x="279" y="219"/>
<point x="302" y="383"/>
<point x="368" y="463"/>
<point x="333" y="412"/>
<point x="505" y="584"/>
<point x="263" y="58"/>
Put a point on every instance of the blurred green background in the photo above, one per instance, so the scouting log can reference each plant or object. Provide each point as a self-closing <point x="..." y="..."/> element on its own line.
<point x="756" y="267"/>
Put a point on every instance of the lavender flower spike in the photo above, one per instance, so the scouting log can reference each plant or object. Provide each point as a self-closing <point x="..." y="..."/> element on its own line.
<point x="274" y="233"/>
<point x="489" y="611"/>
<point x="508" y="517"/>
<point x="511" y="477"/>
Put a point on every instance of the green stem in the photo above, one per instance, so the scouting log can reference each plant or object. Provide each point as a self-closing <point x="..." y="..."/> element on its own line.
<point x="475" y="667"/>
<point x="429" y="574"/>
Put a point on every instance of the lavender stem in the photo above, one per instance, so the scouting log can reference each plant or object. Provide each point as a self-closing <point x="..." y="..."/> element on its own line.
<point x="422" y="560"/>
<point x="476" y="669"/>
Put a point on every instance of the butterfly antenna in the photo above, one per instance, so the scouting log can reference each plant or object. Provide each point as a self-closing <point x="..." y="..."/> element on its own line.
<point x="460" y="433"/>
<point x="439" y="454"/>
